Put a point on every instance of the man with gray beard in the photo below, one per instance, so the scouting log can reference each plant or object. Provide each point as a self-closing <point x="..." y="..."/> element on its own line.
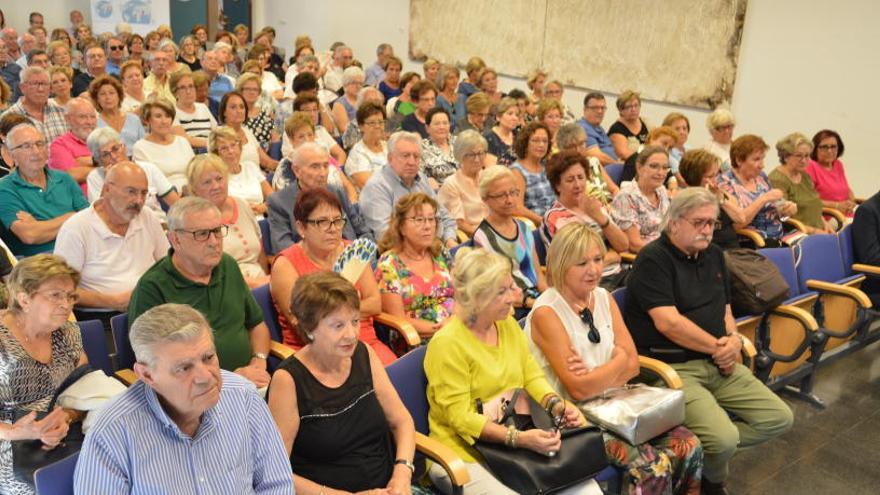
<point x="112" y="243"/>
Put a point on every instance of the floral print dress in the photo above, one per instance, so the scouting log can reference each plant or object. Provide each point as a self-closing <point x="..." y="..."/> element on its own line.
<point x="426" y="299"/>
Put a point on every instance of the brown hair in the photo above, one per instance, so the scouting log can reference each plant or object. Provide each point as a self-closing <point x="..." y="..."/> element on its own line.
<point x="224" y="102"/>
<point x="521" y="144"/>
<point x="297" y="121"/>
<point x="661" y="131"/>
<point x="420" y="88"/>
<point x="157" y="102"/>
<point x="744" y="146"/>
<point x="560" y="162"/>
<point x="101" y="81"/>
<point x="316" y="295"/>
<point x="310" y="199"/>
<point x="694" y="165"/>
<point x="393" y="239"/>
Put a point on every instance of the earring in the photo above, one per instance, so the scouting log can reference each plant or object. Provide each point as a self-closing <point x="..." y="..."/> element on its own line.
<point x="310" y="336"/>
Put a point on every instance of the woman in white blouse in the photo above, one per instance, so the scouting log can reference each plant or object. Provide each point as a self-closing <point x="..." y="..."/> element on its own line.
<point x="168" y="151"/>
<point x="370" y="153"/>
<point x="232" y="113"/>
<point x="245" y="181"/>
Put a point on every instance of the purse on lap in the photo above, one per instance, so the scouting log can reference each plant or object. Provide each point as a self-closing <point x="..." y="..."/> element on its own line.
<point x="636" y="412"/>
<point x="580" y="458"/>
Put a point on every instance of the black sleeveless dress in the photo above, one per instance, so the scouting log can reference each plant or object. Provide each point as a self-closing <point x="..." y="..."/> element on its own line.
<point x="343" y="441"/>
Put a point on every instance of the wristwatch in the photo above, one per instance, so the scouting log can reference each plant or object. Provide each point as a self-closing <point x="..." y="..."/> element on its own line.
<point x="260" y="355"/>
<point x="409" y="464"/>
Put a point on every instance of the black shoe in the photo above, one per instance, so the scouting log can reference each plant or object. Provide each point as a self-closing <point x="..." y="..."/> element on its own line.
<point x="709" y="488"/>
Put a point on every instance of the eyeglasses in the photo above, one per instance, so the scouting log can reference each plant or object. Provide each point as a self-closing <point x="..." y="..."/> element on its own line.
<point x="513" y="193"/>
<point x="36" y="84"/>
<point x="36" y="145"/>
<point x="701" y="223"/>
<point x="827" y="147"/>
<point x="800" y="156"/>
<point x="60" y="296"/>
<point x="203" y="235"/>
<point x="186" y="87"/>
<point x="106" y="155"/>
<point x="657" y="166"/>
<point x="587" y="317"/>
<point x="596" y="108"/>
<point x="475" y="154"/>
<point x="116" y="48"/>
<point x="327" y="223"/>
<point x="422" y="221"/>
<point x="374" y="123"/>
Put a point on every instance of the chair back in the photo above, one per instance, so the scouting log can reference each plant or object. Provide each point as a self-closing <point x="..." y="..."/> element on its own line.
<point x="95" y="345"/>
<point x="275" y="150"/>
<point x="820" y="260"/>
<point x="783" y="258"/>
<point x="845" y="242"/>
<point x="56" y="478"/>
<point x="540" y="248"/>
<point x="615" y="171"/>
<point x="270" y="316"/>
<point x="407" y="374"/>
<point x="124" y="352"/>
<point x="266" y="236"/>
<point x="454" y="250"/>
<point x="620" y="298"/>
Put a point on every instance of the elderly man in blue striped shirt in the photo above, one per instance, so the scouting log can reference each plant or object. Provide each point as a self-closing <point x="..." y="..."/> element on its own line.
<point x="186" y="427"/>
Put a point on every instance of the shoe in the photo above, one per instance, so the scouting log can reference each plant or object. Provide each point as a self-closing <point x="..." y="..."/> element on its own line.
<point x="709" y="488"/>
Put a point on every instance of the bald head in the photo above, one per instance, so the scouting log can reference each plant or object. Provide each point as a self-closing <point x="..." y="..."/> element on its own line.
<point x="125" y="190"/>
<point x="125" y="171"/>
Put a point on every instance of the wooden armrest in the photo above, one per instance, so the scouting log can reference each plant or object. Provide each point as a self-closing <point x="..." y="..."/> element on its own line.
<point x="461" y="236"/>
<point x="797" y="224"/>
<point x="859" y="201"/>
<point x="867" y="269"/>
<point x="829" y="288"/>
<point x="752" y="235"/>
<point x="126" y="376"/>
<point x="446" y="457"/>
<point x="748" y="349"/>
<point x="280" y="350"/>
<point x="528" y="222"/>
<point x="403" y="327"/>
<point x="796" y="313"/>
<point x="628" y="257"/>
<point x="835" y="214"/>
<point x="664" y="371"/>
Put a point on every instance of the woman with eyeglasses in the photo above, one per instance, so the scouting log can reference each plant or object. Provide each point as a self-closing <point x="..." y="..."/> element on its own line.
<point x="438" y="161"/>
<point x="192" y="120"/>
<point x="577" y="335"/>
<point x="208" y="177"/>
<point x="639" y="207"/>
<point x="460" y="192"/>
<point x="246" y="180"/>
<point x="795" y="183"/>
<point x="826" y="170"/>
<point x="370" y="153"/>
<point x="414" y="270"/>
<point x="40" y="347"/>
<point x="319" y="222"/>
<point x="508" y="235"/>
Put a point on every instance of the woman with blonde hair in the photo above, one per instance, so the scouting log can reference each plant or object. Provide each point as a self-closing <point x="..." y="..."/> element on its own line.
<point x="60" y="83"/>
<point x="682" y="126"/>
<point x="720" y="124"/>
<point x="414" y="269"/>
<point x="550" y="113"/>
<point x="260" y="118"/>
<point x="246" y="181"/>
<point x="448" y="97"/>
<point x="473" y="69"/>
<point x="535" y="81"/>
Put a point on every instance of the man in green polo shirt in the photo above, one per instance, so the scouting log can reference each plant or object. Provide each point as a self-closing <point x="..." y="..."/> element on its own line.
<point x="34" y="200"/>
<point x="197" y="272"/>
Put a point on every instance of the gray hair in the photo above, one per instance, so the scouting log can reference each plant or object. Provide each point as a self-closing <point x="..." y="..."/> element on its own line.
<point x="789" y="144"/>
<point x="465" y="142"/>
<point x="31" y="70"/>
<point x="338" y="49"/>
<point x="568" y="135"/>
<point x="183" y="207"/>
<point x="222" y="44"/>
<point x="168" y="322"/>
<point x="381" y="48"/>
<point x="306" y="58"/>
<point x="444" y="71"/>
<point x="167" y="42"/>
<point x="26" y="37"/>
<point x="10" y="140"/>
<point x="77" y="102"/>
<point x="490" y="174"/>
<point x="363" y="92"/>
<point x="100" y="137"/>
<point x="297" y="156"/>
<point x="719" y="118"/>
<point x="399" y="136"/>
<point x="687" y="201"/>
<point x="351" y="73"/>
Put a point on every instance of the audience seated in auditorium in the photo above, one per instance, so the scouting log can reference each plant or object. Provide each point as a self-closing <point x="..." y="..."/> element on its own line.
<point x="68" y="152"/>
<point x="502" y="134"/>
<point x="472" y="69"/>
<point x="413" y="271"/>
<point x="391" y="85"/>
<point x="34" y="199"/>
<point x="343" y="424"/>
<point x="481" y="353"/>
<point x="460" y="192"/>
<point x="796" y="185"/>
<point x="401" y="176"/>
<point x="664" y="137"/>
<point x="577" y="335"/>
<point x="572" y="137"/>
<point x="245" y="180"/>
<point x="198" y="273"/>
<point x="345" y="107"/>
<point x="424" y="95"/>
<point x="342" y="57"/>
<point x="133" y="86"/>
<point x="156" y="83"/>
<point x="319" y="222"/>
<point x="567" y="173"/>
<point x="639" y="207"/>
<point x="376" y="73"/>
<point x="532" y="147"/>
<point x="189" y="412"/>
<point x="34" y="102"/>
<point x="208" y="178"/>
<point x="598" y="142"/>
<point x="828" y="174"/>
<point x="7" y="122"/>
<point x="678" y="311"/>
<point x="448" y="97"/>
<point x="192" y="120"/>
<point x="549" y="113"/>
<point x="763" y="206"/>
<point x="60" y="85"/>
<point x="161" y="146"/>
<point x="701" y="168"/>
<point x="9" y="70"/>
<point x="403" y="105"/>
<point x="553" y="90"/>
<point x="233" y="113"/>
<point x="720" y="124"/>
<point x="308" y="103"/>
<point x="308" y="166"/>
<point x="370" y="153"/>
<point x="106" y="92"/>
<point x="476" y="114"/>
<point x="629" y="131"/>
<point x="438" y="160"/>
<point x="40" y="347"/>
<point x="95" y="65"/>
<point x="114" y="48"/>
<point x="682" y="126"/>
<point x="220" y="83"/>
<point x="112" y="243"/>
<point x="509" y="236"/>
<point x="353" y="133"/>
<point x="488" y="84"/>
<point x="261" y="114"/>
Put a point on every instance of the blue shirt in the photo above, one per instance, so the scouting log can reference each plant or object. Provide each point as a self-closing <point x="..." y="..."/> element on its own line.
<point x="596" y="136"/>
<point x="62" y="195"/>
<point x="374" y="75"/>
<point x="132" y="131"/>
<point x="220" y="85"/>
<point x="134" y="447"/>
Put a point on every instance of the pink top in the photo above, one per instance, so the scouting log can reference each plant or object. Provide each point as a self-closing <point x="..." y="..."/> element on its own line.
<point x="831" y="184"/>
<point x="64" y="151"/>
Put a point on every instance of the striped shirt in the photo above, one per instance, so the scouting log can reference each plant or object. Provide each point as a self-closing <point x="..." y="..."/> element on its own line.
<point x="134" y="447"/>
<point x="53" y="124"/>
<point x="199" y="123"/>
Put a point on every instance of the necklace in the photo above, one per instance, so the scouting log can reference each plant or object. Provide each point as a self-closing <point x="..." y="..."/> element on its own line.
<point x="411" y="257"/>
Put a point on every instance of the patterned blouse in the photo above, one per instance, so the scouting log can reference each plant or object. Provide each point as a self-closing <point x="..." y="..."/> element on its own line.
<point x="437" y="163"/>
<point x="499" y="148"/>
<point x="518" y="249"/>
<point x="425" y="299"/>
<point x="539" y="194"/>
<point x="767" y="221"/>
<point x="262" y="126"/>
<point x="632" y="207"/>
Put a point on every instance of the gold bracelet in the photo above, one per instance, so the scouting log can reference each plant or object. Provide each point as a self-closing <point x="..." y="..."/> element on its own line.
<point x="322" y="490"/>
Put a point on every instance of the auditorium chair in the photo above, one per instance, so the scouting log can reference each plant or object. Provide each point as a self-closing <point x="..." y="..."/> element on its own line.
<point x="56" y="478"/>
<point x="95" y="345"/>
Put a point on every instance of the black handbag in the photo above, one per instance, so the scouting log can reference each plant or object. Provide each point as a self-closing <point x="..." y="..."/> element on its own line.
<point x="28" y="455"/>
<point x="580" y="458"/>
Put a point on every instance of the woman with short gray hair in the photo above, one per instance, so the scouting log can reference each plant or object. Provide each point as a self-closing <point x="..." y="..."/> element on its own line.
<point x="792" y="179"/>
<point x="344" y="108"/>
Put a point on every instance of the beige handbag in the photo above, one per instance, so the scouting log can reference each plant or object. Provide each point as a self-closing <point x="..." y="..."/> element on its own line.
<point x="636" y="412"/>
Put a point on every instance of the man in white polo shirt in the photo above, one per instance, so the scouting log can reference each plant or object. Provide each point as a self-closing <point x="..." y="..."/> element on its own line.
<point x="112" y="243"/>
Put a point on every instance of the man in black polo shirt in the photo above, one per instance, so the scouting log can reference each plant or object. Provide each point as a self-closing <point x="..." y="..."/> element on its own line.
<point x="678" y="311"/>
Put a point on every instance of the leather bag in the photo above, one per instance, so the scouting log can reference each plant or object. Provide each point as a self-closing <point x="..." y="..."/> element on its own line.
<point x="637" y="413"/>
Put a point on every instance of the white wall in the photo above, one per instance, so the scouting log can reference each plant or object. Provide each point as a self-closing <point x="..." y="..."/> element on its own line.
<point x="56" y="13"/>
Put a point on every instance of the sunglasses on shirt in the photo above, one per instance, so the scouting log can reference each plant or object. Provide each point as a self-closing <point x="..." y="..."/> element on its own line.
<point x="587" y="317"/>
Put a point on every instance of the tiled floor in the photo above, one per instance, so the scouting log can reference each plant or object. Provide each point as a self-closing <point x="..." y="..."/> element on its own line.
<point x="830" y="451"/>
